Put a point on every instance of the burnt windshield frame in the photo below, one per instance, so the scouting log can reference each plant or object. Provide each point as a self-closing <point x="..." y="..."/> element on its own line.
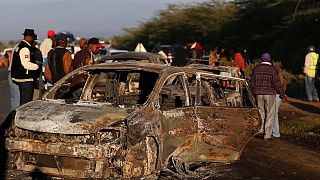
<point x="131" y="80"/>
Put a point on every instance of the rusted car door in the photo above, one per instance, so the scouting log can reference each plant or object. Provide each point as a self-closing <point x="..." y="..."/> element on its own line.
<point x="226" y="122"/>
<point x="178" y="118"/>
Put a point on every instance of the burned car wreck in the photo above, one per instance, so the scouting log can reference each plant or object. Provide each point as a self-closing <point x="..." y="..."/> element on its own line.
<point x="132" y="120"/>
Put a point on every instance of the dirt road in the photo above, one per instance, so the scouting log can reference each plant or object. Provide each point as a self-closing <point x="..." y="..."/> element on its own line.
<point x="4" y="94"/>
<point x="286" y="158"/>
<point x="276" y="159"/>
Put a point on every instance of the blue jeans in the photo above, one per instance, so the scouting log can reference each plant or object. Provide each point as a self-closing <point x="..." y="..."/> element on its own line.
<point x="275" y="129"/>
<point x="26" y="91"/>
<point x="42" y="89"/>
<point x="14" y="93"/>
<point x="311" y="90"/>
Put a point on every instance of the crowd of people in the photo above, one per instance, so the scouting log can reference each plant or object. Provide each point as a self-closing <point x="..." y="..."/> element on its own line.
<point x="52" y="61"/>
<point x="267" y="82"/>
<point x="49" y="63"/>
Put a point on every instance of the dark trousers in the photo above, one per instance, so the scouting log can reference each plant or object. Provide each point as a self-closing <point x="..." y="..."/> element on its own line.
<point x="26" y="91"/>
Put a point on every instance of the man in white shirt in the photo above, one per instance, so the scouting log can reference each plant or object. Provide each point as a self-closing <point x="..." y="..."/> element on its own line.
<point x="24" y="68"/>
<point x="46" y="44"/>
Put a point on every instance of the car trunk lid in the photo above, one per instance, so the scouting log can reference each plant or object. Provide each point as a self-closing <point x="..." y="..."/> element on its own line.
<point x="59" y="117"/>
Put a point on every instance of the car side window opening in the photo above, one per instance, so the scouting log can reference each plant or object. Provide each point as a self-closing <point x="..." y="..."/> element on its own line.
<point x="211" y="91"/>
<point x="127" y="88"/>
<point x="173" y="93"/>
<point x="237" y="94"/>
<point x="70" y="89"/>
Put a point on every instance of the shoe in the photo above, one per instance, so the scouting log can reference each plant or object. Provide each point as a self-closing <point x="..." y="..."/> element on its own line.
<point x="276" y="135"/>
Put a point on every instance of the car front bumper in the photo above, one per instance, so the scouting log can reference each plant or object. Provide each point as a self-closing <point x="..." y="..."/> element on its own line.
<point x="67" y="159"/>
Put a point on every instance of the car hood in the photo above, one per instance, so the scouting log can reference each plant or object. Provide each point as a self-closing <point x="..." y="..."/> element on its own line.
<point x="59" y="117"/>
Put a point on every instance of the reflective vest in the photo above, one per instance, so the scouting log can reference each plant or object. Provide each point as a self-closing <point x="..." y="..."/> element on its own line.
<point x="313" y="67"/>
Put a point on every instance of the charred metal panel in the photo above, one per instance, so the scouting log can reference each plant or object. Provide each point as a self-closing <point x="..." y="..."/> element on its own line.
<point x="98" y="155"/>
<point x="178" y="126"/>
<point x="142" y="123"/>
<point x="138" y="56"/>
<point x="46" y="116"/>
<point x="142" y="159"/>
<point x="62" y="149"/>
<point x="229" y="128"/>
<point x="65" y="167"/>
<point x="217" y="134"/>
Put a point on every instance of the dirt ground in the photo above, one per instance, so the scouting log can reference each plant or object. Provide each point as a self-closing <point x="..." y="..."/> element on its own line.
<point x="287" y="157"/>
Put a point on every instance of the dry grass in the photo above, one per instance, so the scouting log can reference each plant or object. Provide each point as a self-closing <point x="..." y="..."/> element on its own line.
<point x="298" y="127"/>
<point x="306" y="134"/>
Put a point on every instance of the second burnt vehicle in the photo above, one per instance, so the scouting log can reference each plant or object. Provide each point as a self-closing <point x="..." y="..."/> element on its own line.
<point x="131" y="56"/>
<point x="132" y="120"/>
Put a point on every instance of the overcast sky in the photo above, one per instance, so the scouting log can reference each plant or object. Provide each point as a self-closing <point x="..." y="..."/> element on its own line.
<point x="84" y="18"/>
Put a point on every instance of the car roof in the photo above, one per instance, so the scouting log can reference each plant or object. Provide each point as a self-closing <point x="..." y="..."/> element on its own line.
<point x="151" y="67"/>
<point x="109" y="49"/>
<point x="117" y="50"/>
<point x="127" y="65"/>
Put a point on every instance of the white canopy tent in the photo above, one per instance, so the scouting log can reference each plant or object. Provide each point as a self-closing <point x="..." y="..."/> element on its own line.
<point x="140" y="48"/>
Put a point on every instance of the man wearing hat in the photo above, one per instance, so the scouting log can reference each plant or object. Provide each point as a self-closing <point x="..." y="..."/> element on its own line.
<point x="265" y="84"/>
<point x="24" y="67"/>
<point x="58" y="61"/>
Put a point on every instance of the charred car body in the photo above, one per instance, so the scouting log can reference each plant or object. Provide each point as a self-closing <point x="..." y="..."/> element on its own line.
<point x="132" y="120"/>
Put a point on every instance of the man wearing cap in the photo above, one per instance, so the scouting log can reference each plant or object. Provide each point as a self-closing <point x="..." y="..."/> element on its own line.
<point x="85" y="55"/>
<point x="82" y="58"/>
<point x="265" y="84"/>
<point x="46" y="44"/>
<point x="24" y="67"/>
<point x="58" y="61"/>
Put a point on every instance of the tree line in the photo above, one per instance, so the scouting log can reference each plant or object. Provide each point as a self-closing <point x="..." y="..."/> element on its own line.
<point x="282" y="27"/>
